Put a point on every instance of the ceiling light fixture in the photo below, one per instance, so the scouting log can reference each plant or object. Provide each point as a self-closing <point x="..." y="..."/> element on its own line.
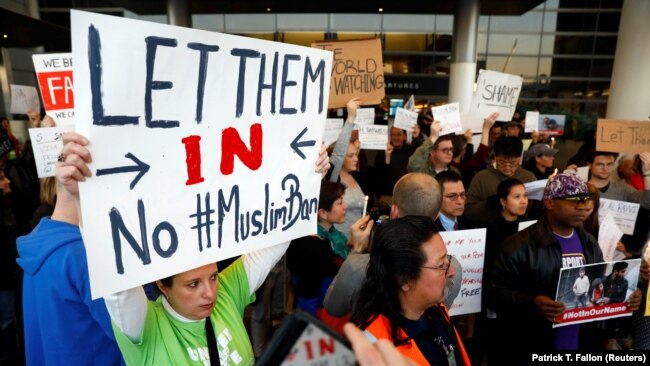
<point x="381" y="10"/>
<point x="268" y="9"/>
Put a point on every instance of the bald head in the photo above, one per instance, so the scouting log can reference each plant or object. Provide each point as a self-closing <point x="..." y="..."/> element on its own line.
<point x="416" y="194"/>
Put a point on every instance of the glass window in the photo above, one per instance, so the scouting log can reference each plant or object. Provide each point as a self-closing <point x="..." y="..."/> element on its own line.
<point x="444" y="23"/>
<point x="571" y="67"/>
<point x="525" y="66"/>
<point x="577" y="22"/>
<point x="550" y="21"/>
<point x="503" y="43"/>
<point x="302" y="38"/>
<point x="605" y="45"/>
<point x="548" y="45"/>
<point x="408" y="42"/>
<point x="527" y="22"/>
<point x="574" y="45"/>
<point x="609" y="21"/>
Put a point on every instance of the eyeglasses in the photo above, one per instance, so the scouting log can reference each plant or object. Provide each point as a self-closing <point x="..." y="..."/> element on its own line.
<point x="446" y="150"/>
<point x="455" y="196"/>
<point x="576" y="200"/>
<point x="442" y="267"/>
<point x="509" y="162"/>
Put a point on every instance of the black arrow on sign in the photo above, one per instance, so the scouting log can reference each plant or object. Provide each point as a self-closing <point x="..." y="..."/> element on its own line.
<point x="296" y="144"/>
<point x="140" y="167"/>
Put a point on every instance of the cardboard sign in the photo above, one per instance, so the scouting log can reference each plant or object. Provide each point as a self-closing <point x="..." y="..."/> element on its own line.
<point x="623" y="136"/>
<point x="357" y="71"/>
<point x="449" y="117"/>
<point x="54" y="74"/>
<point x="405" y="119"/>
<point x="365" y="116"/>
<point x="47" y="143"/>
<point x="468" y="246"/>
<point x="373" y="137"/>
<point x="551" y="124"/>
<point x="333" y="128"/>
<point x="24" y="98"/>
<point x="496" y="92"/>
<point x="531" y="122"/>
<point x="605" y="303"/>
<point x="609" y="234"/>
<point x="624" y="213"/>
<point x="203" y="145"/>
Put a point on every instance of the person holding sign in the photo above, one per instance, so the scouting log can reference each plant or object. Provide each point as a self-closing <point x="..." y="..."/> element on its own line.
<point x="401" y="299"/>
<point x="198" y="318"/>
<point x="434" y="155"/>
<point x="527" y="268"/>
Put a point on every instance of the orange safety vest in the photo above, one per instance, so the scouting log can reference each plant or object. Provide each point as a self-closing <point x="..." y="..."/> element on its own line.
<point x="380" y="328"/>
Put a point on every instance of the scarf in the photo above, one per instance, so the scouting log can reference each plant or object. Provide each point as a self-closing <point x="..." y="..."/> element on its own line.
<point x="337" y="240"/>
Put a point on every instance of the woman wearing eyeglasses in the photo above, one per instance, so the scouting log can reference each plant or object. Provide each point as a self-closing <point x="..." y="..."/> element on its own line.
<point x="401" y="299"/>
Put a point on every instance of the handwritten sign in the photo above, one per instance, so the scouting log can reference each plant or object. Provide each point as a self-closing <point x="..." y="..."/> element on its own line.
<point x="24" y="98"/>
<point x="203" y="145"/>
<point x="624" y="213"/>
<point x="54" y="74"/>
<point x="597" y="303"/>
<point x="623" y="136"/>
<point x="357" y="71"/>
<point x="365" y="116"/>
<point x="609" y="234"/>
<point x="405" y="119"/>
<point x="47" y="143"/>
<point x="496" y="92"/>
<point x="582" y="172"/>
<point x="468" y="246"/>
<point x="373" y="137"/>
<point x="314" y="347"/>
<point x="531" y="122"/>
<point x="333" y="127"/>
<point x="449" y="117"/>
<point x="551" y="124"/>
<point x="535" y="189"/>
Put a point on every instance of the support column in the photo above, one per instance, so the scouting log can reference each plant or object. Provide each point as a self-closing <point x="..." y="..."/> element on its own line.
<point x="463" y="53"/>
<point x="179" y="13"/>
<point x="630" y="86"/>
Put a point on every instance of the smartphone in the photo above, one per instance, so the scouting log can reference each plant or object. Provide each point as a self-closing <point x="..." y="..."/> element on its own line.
<point x="302" y="339"/>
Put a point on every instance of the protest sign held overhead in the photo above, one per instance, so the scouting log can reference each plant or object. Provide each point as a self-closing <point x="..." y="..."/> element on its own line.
<point x="449" y="117"/>
<point x="373" y="137"/>
<point x="405" y="119"/>
<point x="496" y="92"/>
<point x="623" y="136"/>
<point x="24" y="98"/>
<point x="357" y="71"/>
<point x="203" y="145"/>
<point x="54" y="74"/>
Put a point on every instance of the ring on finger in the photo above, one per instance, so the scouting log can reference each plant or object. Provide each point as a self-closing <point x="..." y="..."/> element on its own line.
<point x="61" y="158"/>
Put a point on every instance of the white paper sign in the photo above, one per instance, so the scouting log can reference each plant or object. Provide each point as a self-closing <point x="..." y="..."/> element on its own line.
<point x="530" y="124"/>
<point x="609" y="234"/>
<point x="468" y="246"/>
<point x="47" y="143"/>
<point x="192" y="161"/>
<point x="54" y="74"/>
<point x="333" y="127"/>
<point x="496" y="92"/>
<point x="472" y="121"/>
<point x="373" y="137"/>
<point x="525" y="224"/>
<point x="449" y="117"/>
<point x="405" y="119"/>
<point x="365" y="116"/>
<point x="582" y="172"/>
<point x="24" y="98"/>
<point x="535" y="189"/>
<point x="624" y="213"/>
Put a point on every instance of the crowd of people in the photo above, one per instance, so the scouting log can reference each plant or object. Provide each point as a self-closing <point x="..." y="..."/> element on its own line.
<point x="391" y="277"/>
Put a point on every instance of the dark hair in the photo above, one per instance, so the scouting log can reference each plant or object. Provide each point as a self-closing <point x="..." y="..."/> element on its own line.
<point x="504" y="188"/>
<point x="508" y="146"/>
<point x="329" y="192"/>
<point x="602" y="153"/>
<point x="442" y="139"/>
<point x="618" y="266"/>
<point x="395" y="259"/>
<point x="448" y="176"/>
<point x="591" y="223"/>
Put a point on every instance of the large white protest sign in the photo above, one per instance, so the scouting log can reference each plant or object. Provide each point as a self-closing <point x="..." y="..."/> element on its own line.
<point x="47" y="143"/>
<point x="530" y="124"/>
<point x="449" y="117"/>
<point x="365" y="116"/>
<point x="203" y="145"/>
<point x="373" y="137"/>
<point x="54" y="74"/>
<point x="468" y="246"/>
<point x="24" y="98"/>
<point x="333" y="128"/>
<point x="496" y="92"/>
<point x="624" y="213"/>
<point x="405" y="119"/>
<point x="609" y="234"/>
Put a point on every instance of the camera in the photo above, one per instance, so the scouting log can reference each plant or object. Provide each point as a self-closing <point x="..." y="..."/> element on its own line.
<point x="380" y="214"/>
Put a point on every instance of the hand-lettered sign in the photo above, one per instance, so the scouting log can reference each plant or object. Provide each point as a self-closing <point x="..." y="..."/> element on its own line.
<point x="468" y="246"/>
<point x="405" y="119"/>
<point x="496" y="92"/>
<point x="373" y="137"/>
<point x="203" y="145"/>
<point x="24" y="98"/>
<point x="54" y="73"/>
<point x="357" y="71"/>
<point x="623" y="136"/>
<point x="449" y="117"/>
<point x="47" y="143"/>
<point x="624" y="213"/>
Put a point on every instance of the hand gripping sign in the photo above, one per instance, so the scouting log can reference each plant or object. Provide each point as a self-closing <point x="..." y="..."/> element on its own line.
<point x="203" y="145"/>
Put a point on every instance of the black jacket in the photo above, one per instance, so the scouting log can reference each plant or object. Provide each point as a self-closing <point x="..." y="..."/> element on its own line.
<point x="527" y="265"/>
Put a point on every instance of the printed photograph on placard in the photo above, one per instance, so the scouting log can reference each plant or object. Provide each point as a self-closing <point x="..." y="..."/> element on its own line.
<point x="596" y="291"/>
<point x="552" y="124"/>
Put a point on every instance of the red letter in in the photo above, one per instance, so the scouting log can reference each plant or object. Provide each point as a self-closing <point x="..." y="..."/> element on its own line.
<point x="193" y="159"/>
<point x="231" y="145"/>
